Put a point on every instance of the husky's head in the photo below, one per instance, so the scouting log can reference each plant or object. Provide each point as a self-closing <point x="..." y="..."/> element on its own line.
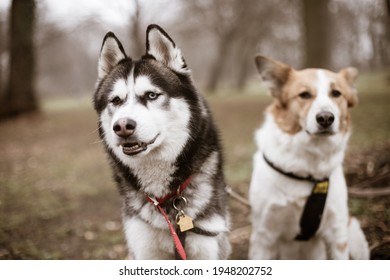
<point x="145" y="105"/>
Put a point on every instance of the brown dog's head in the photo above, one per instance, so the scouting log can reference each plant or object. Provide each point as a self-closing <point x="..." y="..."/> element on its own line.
<point x="313" y="100"/>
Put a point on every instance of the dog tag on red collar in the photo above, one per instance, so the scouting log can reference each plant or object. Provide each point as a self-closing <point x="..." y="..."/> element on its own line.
<point x="185" y="223"/>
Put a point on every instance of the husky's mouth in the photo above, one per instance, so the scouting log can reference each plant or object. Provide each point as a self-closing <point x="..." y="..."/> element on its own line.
<point x="133" y="148"/>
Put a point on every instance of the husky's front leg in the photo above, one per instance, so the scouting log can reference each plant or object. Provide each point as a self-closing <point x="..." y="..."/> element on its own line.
<point x="200" y="247"/>
<point x="146" y="242"/>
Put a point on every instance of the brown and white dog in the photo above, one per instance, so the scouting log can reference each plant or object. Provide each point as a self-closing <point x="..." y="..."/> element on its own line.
<point x="301" y="147"/>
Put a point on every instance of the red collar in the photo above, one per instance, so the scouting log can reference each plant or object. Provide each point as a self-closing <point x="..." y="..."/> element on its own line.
<point x="162" y="200"/>
<point x="159" y="201"/>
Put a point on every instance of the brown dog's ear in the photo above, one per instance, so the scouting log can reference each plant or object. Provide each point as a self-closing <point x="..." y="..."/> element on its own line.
<point x="273" y="73"/>
<point x="350" y="75"/>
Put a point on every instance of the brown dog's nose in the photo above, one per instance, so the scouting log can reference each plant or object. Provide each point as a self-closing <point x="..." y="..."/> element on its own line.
<point x="325" y="119"/>
<point x="124" y="127"/>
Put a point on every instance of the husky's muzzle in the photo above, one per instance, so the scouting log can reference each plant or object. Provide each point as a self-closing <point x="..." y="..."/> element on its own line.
<point x="125" y="128"/>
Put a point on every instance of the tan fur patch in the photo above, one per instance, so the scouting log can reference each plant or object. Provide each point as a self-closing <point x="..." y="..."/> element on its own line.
<point x="285" y="119"/>
<point x="291" y="110"/>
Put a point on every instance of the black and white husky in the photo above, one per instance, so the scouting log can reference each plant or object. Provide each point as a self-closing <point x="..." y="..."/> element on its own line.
<point x="164" y="150"/>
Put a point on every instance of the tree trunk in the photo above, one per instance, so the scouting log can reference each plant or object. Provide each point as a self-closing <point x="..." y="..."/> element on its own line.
<point x="245" y="63"/>
<point x="1" y="53"/>
<point x="387" y="30"/>
<point x="20" y="94"/>
<point x="219" y="63"/>
<point x="136" y="38"/>
<point x="316" y="25"/>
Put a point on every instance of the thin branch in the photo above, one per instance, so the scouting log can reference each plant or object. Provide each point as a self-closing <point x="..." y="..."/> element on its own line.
<point x="369" y="192"/>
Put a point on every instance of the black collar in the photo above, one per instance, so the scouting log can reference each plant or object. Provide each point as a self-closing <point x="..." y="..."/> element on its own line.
<point x="292" y="175"/>
<point x="314" y="208"/>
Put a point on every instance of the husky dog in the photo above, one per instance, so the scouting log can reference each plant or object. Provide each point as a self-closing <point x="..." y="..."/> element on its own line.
<point x="298" y="192"/>
<point x="164" y="150"/>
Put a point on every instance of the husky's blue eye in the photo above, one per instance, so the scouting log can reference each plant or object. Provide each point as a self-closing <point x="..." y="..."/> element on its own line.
<point x="150" y="95"/>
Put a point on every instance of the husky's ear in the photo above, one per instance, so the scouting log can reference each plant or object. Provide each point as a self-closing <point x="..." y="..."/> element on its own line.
<point x="350" y="75"/>
<point x="110" y="54"/>
<point x="160" y="46"/>
<point x="273" y="73"/>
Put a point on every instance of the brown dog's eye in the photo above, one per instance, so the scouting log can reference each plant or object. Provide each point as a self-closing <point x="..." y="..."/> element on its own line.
<point x="335" y="93"/>
<point x="305" y="95"/>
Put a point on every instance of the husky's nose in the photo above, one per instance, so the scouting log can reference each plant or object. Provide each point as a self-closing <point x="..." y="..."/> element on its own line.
<point x="325" y="119"/>
<point x="124" y="127"/>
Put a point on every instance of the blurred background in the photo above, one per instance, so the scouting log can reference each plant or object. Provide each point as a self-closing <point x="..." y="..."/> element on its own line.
<point x="57" y="198"/>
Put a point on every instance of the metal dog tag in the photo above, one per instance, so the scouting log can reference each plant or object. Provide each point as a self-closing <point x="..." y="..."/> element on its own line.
<point x="185" y="223"/>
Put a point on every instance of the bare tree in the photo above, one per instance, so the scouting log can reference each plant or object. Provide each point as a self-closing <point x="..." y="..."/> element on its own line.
<point x="317" y="26"/>
<point x="2" y="47"/>
<point x="256" y="24"/>
<point x="223" y="23"/>
<point x="387" y="30"/>
<point x="233" y="31"/>
<point x="378" y="27"/>
<point x="136" y="34"/>
<point x="363" y="34"/>
<point x="20" y="96"/>
<point x="235" y="27"/>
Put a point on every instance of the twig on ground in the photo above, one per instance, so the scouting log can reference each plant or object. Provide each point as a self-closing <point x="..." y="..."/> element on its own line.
<point x="368" y="192"/>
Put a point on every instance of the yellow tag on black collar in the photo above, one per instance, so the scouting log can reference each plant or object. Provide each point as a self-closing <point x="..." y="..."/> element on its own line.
<point x="321" y="187"/>
<point x="313" y="210"/>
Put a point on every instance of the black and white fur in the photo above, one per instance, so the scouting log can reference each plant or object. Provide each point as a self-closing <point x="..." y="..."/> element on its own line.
<point x="158" y="131"/>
